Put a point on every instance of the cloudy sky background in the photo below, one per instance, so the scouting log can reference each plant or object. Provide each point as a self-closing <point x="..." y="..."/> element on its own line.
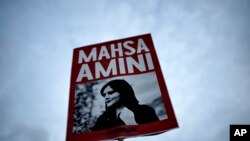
<point x="203" y="47"/>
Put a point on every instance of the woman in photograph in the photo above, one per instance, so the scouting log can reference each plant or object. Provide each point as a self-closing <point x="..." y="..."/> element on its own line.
<point x="117" y="95"/>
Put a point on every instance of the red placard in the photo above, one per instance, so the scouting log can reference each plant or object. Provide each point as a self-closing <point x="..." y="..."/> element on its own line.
<point x="117" y="90"/>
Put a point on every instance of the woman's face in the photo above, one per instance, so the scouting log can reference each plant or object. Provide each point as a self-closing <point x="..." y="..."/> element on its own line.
<point x="110" y="96"/>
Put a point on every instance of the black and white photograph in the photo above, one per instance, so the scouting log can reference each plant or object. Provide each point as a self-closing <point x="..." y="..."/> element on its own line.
<point x="117" y="101"/>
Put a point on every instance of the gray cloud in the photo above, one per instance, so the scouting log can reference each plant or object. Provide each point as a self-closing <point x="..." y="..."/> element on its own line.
<point x="203" y="49"/>
<point x="20" y="132"/>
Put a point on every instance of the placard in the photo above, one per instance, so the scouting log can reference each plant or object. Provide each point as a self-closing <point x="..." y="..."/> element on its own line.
<point x="117" y="90"/>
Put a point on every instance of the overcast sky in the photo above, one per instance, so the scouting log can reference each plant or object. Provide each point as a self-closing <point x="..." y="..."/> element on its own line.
<point x="203" y="48"/>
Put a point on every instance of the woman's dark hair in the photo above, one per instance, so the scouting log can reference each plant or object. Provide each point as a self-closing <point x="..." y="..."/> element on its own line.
<point x="127" y="94"/>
